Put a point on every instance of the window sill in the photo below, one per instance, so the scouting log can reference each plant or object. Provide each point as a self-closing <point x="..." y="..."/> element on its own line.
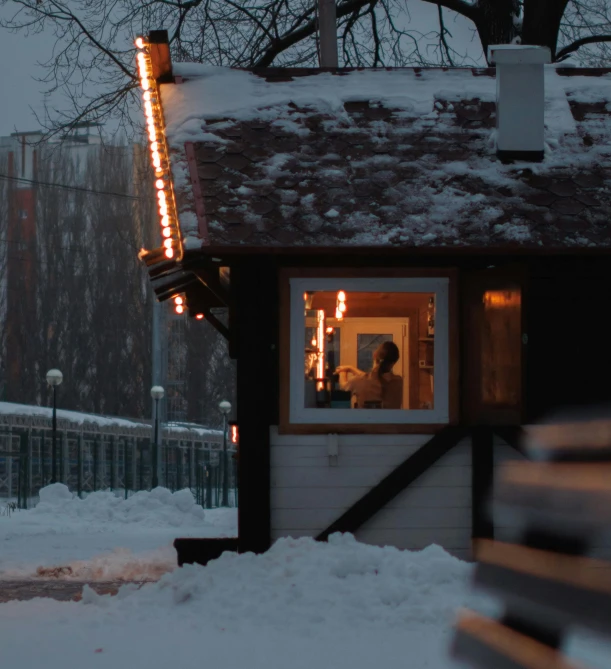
<point x="362" y="428"/>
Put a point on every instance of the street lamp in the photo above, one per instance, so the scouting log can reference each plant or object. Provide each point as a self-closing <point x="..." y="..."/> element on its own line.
<point x="225" y="408"/>
<point x="157" y="392"/>
<point x="54" y="378"/>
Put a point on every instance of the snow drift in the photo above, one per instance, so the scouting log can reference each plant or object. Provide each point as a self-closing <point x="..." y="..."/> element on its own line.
<point x="157" y="508"/>
<point x="303" y="586"/>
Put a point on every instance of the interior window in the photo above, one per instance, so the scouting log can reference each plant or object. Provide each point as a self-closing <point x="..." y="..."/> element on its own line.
<point x="369" y="350"/>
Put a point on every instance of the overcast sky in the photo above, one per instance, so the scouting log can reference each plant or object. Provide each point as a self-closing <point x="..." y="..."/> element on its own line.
<point x="19" y="55"/>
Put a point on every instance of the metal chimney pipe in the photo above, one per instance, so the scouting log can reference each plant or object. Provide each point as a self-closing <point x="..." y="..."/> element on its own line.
<point x="520" y="100"/>
<point x="327" y="30"/>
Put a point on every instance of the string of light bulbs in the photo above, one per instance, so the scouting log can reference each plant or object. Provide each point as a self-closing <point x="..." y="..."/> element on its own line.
<point x="160" y="157"/>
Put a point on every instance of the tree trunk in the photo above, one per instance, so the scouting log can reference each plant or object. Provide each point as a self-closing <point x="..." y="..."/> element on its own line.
<point x="542" y="22"/>
<point x="496" y="22"/>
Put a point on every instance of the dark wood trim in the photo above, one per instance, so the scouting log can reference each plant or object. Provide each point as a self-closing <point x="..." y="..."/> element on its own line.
<point x="284" y="353"/>
<point x="482" y="477"/>
<point x="256" y="328"/>
<point x="357" y="428"/>
<point x="390" y="486"/>
<point x="403" y="252"/>
<point x="513" y="436"/>
<point x="287" y="273"/>
<point x="201" y="551"/>
<point x="212" y="283"/>
<point x="528" y="156"/>
<point x="454" y="343"/>
<point x="216" y="324"/>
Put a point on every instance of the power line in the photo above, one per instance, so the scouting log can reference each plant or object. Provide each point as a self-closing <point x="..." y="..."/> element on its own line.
<point x="79" y="189"/>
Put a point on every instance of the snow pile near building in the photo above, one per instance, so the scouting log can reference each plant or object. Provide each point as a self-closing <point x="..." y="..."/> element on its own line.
<point x="157" y="508"/>
<point x="104" y="537"/>
<point x="307" y="587"/>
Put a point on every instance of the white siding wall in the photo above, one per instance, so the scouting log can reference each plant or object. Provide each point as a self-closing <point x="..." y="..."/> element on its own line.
<point x="308" y="493"/>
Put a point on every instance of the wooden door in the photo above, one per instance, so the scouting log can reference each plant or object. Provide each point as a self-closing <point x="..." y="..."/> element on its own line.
<point x="493" y="343"/>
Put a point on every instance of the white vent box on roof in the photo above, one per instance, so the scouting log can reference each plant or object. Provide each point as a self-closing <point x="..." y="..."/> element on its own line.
<point x="520" y="100"/>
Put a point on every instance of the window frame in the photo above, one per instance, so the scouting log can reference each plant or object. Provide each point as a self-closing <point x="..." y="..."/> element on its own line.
<point x="295" y="418"/>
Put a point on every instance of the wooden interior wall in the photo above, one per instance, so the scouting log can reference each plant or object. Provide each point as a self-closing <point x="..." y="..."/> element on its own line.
<point x="569" y="333"/>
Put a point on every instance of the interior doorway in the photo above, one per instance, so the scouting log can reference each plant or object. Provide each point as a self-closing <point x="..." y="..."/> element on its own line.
<point x="360" y="337"/>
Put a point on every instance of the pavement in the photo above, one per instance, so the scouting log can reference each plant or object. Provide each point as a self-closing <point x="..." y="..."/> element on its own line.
<point x="61" y="590"/>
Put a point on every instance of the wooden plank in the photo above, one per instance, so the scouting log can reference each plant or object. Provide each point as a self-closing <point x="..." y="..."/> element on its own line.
<point x="486" y="643"/>
<point x="395" y="482"/>
<point x="348" y="440"/>
<point x="308" y="456"/>
<point x="585" y="440"/>
<point x="387" y="518"/>
<point x="342" y="498"/>
<point x="329" y="477"/>
<point x="416" y="539"/>
<point x="564" y="589"/>
<point x="571" y="494"/>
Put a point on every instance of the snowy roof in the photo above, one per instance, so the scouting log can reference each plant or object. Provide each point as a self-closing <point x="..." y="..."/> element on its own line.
<point x="401" y="157"/>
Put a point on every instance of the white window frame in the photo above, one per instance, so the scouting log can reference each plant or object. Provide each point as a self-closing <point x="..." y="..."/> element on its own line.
<point x="440" y="414"/>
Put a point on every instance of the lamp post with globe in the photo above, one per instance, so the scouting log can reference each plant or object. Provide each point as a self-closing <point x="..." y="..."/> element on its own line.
<point x="157" y="392"/>
<point x="54" y="378"/>
<point x="225" y="408"/>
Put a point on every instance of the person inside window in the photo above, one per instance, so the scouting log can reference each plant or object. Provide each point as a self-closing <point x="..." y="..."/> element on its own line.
<point x="379" y="388"/>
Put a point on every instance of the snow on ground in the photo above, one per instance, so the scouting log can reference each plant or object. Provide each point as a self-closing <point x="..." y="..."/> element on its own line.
<point x="105" y="537"/>
<point x="302" y="604"/>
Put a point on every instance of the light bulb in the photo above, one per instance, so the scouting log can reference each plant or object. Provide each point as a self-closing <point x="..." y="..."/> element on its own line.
<point x="160" y="184"/>
<point x="163" y="209"/>
<point x="169" y="253"/>
<point x="165" y="221"/>
<point x="140" y="43"/>
<point x="179" y="309"/>
<point x="342" y="307"/>
<point x="144" y="82"/>
<point x="178" y="300"/>
<point x="199" y="316"/>
<point x="167" y="243"/>
<point x="166" y="232"/>
<point x="161" y="196"/>
<point x="341" y="296"/>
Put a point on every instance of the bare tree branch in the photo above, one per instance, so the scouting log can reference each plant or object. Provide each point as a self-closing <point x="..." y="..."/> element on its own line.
<point x="571" y="48"/>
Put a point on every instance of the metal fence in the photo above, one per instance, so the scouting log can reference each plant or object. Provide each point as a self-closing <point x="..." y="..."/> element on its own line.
<point x="95" y="456"/>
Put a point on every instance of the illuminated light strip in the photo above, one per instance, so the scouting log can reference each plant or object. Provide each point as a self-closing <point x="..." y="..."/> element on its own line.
<point x="320" y="341"/>
<point x="160" y="155"/>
